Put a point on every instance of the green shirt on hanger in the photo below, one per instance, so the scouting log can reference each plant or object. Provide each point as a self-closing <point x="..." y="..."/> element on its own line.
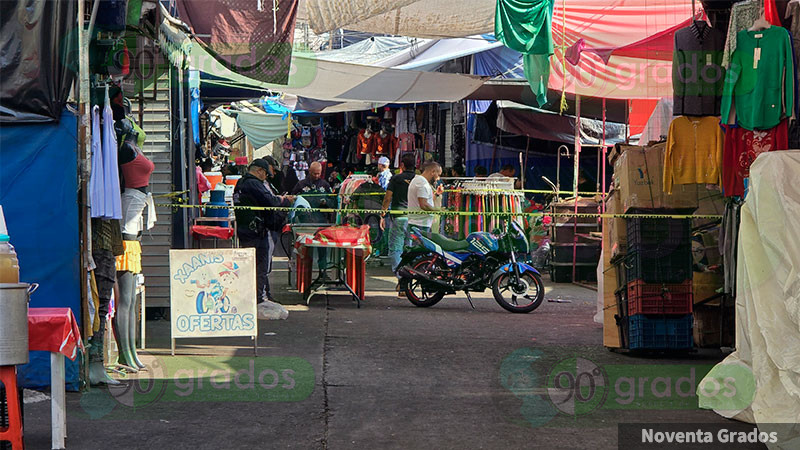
<point x="759" y="86"/>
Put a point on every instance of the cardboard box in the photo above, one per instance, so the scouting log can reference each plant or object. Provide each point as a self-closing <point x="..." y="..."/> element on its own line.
<point x="710" y="202"/>
<point x="705" y="285"/>
<point x="707" y="322"/>
<point x="615" y="227"/>
<point x="639" y="176"/>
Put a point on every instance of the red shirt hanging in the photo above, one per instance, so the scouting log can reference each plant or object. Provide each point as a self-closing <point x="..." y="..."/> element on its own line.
<point x="742" y="147"/>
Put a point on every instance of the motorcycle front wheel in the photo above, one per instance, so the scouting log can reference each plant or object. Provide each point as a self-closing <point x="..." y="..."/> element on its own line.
<point x="415" y="292"/>
<point x="523" y="298"/>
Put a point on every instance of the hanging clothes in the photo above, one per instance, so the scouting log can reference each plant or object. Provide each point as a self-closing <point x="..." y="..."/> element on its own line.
<point x="96" y="179"/>
<point x="742" y="17"/>
<point x="756" y="83"/>
<point x="694" y="152"/>
<point x="113" y="197"/>
<point x="742" y="146"/>
<point x="793" y="14"/>
<point x="366" y="142"/>
<point x="385" y="145"/>
<point x="405" y="122"/>
<point x="728" y="242"/>
<point x="697" y="73"/>
<point x="525" y="26"/>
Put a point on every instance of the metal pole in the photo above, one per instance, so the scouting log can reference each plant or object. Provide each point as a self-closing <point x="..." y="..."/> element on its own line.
<point x="576" y="169"/>
<point x="603" y="163"/>
<point x="182" y="147"/>
<point x="82" y="84"/>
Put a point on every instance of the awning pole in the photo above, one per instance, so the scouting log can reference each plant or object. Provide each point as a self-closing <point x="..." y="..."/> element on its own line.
<point x="603" y="162"/>
<point x="575" y="183"/>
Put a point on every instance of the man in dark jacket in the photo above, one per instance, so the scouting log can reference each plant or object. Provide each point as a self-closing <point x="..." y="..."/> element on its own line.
<point x="314" y="189"/>
<point x="253" y="226"/>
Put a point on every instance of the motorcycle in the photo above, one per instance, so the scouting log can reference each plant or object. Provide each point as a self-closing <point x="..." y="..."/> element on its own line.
<point x="440" y="266"/>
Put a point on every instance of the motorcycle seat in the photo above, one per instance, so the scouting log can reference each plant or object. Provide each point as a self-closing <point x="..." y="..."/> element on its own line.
<point x="447" y="244"/>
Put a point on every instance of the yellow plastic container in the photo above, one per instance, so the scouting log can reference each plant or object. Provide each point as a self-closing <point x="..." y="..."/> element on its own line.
<point x="9" y="264"/>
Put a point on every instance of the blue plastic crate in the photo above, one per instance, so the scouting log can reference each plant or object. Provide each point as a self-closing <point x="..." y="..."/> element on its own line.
<point x="660" y="332"/>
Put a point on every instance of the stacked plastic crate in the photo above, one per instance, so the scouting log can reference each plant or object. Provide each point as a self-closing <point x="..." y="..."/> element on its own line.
<point x="659" y="284"/>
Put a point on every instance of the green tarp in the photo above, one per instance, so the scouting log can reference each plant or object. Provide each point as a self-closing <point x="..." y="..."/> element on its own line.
<point x="526" y="26"/>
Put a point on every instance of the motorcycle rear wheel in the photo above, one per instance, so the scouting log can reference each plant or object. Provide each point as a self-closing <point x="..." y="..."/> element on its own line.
<point x="417" y="294"/>
<point x="523" y="301"/>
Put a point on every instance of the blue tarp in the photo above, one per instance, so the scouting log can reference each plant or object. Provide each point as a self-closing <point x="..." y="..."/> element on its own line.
<point x="39" y="194"/>
<point x="537" y="165"/>
<point x="501" y="62"/>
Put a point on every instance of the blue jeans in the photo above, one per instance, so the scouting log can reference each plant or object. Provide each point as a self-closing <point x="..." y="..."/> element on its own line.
<point x="398" y="239"/>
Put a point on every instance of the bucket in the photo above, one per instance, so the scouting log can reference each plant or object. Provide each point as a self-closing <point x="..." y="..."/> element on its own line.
<point x="14" y="299"/>
<point x="231" y="180"/>
<point x="214" y="178"/>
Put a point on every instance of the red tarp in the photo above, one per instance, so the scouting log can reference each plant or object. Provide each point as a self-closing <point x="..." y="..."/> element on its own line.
<point x="54" y="330"/>
<point x="210" y="231"/>
<point x="252" y="42"/>
<point x="627" y="50"/>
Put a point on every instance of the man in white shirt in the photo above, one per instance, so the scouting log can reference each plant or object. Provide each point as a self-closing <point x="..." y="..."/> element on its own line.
<point x="508" y="171"/>
<point x="420" y="195"/>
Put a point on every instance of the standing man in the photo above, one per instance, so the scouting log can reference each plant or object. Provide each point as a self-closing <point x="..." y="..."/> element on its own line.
<point x="396" y="198"/>
<point x="508" y="171"/>
<point x="254" y="225"/>
<point x="321" y="196"/>
<point x="384" y="174"/>
<point x="421" y="193"/>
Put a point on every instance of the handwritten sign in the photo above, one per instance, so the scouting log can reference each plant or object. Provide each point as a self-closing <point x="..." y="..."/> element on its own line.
<point x="213" y="292"/>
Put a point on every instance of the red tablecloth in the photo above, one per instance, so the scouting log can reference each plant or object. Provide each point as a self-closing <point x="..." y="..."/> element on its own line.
<point x="346" y="237"/>
<point x="205" y="231"/>
<point x="54" y="330"/>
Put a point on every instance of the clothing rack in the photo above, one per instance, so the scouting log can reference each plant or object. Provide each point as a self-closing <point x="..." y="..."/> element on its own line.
<point x="481" y="195"/>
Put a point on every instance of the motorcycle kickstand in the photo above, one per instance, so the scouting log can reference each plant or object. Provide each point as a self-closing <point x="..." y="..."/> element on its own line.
<point x="469" y="298"/>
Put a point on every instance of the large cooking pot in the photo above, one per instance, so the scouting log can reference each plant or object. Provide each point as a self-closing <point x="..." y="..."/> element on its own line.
<point x="14" y="299"/>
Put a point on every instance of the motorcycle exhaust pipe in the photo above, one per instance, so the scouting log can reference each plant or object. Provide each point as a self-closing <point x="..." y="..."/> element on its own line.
<point x="407" y="272"/>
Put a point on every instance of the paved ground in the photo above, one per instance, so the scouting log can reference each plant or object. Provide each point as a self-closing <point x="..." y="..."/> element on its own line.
<point x="388" y="375"/>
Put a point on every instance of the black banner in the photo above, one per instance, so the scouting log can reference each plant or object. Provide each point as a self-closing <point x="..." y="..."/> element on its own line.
<point x="38" y="58"/>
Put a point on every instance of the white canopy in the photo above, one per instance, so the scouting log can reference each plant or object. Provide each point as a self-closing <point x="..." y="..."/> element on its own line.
<point x="343" y="82"/>
<point x="765" y="368"/>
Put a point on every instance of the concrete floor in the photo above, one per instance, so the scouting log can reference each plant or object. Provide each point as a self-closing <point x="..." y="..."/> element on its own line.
<point x="387" y="375"/>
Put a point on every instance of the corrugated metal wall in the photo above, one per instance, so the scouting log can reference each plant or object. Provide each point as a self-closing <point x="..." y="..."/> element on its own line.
<point x="157" y="241"/>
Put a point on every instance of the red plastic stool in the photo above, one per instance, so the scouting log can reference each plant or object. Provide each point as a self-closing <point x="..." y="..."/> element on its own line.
<point x="13" y="432"/>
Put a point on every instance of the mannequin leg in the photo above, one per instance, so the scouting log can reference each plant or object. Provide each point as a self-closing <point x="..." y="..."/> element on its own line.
<point x="134" y="310"/>
<point x="122" y="319"/>
<point x="105" y="275"/>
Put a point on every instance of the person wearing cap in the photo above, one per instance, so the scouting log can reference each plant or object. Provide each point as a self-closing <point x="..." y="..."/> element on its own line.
<point x="254" y="226"/>
<point x="384" y="174"/>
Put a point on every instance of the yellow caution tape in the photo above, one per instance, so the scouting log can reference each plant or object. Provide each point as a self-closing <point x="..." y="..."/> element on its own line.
<point x="448" y="212"/>
<point x="462" y="190"/>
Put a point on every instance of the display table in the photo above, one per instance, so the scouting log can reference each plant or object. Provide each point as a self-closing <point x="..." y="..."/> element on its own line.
<point x="55" y="330"/>
<point x="350" y="270"/>
<point x="202" y="232"/>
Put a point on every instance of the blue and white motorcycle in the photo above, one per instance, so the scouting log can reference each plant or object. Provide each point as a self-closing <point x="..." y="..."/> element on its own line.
<point x="437" y="266"/>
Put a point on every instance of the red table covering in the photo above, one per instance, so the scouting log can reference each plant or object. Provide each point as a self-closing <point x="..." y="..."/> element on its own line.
<point x="201" y="231"/>
<point x="54" y="330"/>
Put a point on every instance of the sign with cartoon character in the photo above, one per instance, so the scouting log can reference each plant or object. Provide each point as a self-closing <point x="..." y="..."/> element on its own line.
<point x="213" y="292"/>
